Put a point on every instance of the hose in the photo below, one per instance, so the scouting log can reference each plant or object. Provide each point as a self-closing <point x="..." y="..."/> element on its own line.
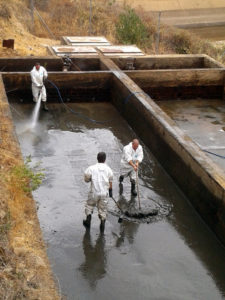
<point x="218" y="155"/>
<point x="73" y="111"/>
<point x="134" y="93"/>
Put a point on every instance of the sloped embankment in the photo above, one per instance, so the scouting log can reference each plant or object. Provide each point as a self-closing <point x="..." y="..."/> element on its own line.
<point x="24" y="268"/>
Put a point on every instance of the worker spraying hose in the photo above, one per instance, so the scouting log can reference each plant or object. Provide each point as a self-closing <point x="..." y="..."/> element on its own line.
<point x="131" y="158"/>
<point x="38" y="77"/>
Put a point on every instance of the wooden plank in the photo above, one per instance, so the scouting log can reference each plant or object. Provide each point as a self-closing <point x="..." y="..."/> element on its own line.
<point x="73" y="50"/>
<point x="87" y="39"/>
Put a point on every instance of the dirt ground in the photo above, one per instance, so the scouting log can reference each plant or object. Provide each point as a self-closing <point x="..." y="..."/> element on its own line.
<point x="15" y="22"/>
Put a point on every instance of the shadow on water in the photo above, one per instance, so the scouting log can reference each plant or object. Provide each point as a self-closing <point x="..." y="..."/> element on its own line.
<point x="94" y="266"/>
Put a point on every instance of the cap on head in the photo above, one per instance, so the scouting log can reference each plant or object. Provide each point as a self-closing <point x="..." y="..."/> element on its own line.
<point x="135" y="144"/>
<point x="101" y="157"/>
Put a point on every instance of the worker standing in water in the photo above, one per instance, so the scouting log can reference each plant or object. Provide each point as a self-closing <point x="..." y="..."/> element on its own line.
<point x="101" y="176"/>
<point x="38" y="77"/>
<point x="131" y="158"/>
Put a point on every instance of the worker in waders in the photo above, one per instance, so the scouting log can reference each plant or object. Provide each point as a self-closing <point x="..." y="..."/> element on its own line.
<point x="131" y="158"/>
<point x="38" y="77"/>
<point x="101" y="176"/>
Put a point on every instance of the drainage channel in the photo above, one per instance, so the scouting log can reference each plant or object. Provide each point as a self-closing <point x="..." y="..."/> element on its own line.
<point x="173" y="256"/>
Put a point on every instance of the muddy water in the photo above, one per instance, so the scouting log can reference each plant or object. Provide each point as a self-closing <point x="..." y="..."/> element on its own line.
<point x="203" y="121"/>
<point x="175" y="256"/>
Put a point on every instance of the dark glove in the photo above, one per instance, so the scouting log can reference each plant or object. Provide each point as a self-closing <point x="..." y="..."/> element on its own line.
<point x="110" y="193"/>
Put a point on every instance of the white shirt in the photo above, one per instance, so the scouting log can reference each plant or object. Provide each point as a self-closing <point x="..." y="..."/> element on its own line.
<point x="130" y="154"/>
<point x="100" y="175"/>
<point x="37" y="76"/>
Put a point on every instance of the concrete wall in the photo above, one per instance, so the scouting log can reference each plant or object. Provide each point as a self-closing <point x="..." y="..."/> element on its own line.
<point x="74" y="86"/>
<point x="172" y="61"/>
<point x="200" y="179"/>
<point x="25" y="64"/>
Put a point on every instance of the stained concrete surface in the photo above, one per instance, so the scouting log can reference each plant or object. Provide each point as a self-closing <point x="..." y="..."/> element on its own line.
<point x="175" y="256"/>
<point x="203" y="120"/>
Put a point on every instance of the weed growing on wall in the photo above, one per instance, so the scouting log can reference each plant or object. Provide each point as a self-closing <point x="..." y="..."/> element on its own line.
<point x="26" y="177"/>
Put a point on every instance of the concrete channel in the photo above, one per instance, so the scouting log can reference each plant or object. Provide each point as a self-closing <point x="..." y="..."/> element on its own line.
<point x="172" y="256"/>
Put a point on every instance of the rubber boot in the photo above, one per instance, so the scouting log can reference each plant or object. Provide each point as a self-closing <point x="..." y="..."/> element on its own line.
<point x="133" y="191"/>
<point x="45" y="107"/>
<point x="87" y="222"/>
<point x="102" y="226"/>
<point x="121" y="178"/>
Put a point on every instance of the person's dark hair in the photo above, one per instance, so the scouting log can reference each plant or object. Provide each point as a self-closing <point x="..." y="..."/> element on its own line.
<point x="101" y="157"/>
<point x="37" y="64"/>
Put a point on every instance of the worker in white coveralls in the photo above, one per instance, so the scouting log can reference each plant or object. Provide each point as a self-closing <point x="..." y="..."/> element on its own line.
<point x="131" y="158"/>
<point x="38" y="77"/>
<point x="101" y="176"/>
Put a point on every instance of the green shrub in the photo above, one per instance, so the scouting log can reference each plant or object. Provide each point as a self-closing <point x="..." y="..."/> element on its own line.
<point x="26" y="177"/>
<point x="181" y="42"/>
<point x="130" y="29"/>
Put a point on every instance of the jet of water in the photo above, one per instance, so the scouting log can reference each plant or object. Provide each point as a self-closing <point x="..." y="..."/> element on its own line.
<point x="35" y="114"/>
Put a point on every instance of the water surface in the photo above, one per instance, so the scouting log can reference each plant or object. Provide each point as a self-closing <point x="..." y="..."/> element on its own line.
<point x="174" y="256"/>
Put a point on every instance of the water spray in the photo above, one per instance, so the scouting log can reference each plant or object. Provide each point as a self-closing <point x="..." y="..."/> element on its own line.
<point x="36" y="111"/>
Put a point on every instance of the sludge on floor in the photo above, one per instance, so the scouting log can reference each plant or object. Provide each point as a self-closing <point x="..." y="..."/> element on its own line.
<point x="173" y="257"/>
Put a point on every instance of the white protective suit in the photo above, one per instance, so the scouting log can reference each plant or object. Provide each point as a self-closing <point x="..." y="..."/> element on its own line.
<point x="100" y="176"/>
<point x="130" y="154"/>
<point x="37" y="78"/>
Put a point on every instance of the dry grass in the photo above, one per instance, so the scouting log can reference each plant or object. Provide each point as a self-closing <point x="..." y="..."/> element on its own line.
<point x="15" y="23"/>
<point x="72" y="18"/>
<point x="24" y="268"/>
<point x="12" y="281"/>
